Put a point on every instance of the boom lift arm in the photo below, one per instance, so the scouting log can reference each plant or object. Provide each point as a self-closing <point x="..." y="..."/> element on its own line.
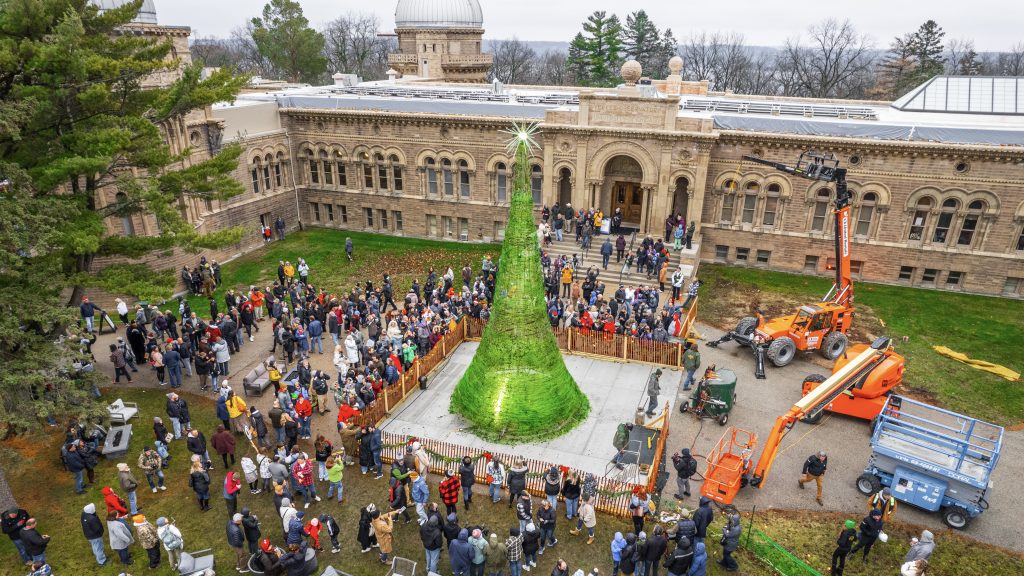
<point x="823" y="167"/>
<point x="836" y="385"/>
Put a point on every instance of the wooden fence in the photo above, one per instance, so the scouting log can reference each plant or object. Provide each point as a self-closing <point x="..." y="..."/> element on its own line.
<point x="612" y="495"/>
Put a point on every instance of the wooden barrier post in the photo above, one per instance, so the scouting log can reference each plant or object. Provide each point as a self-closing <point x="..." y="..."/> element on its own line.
<point x="679" y="354"/>
<point x="625" y="346"/>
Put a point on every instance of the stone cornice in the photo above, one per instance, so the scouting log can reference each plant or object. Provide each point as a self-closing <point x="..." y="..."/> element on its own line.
<point x="933" y="149"/>
<point x="644" y="134"/>
<point x="392" y="117"/>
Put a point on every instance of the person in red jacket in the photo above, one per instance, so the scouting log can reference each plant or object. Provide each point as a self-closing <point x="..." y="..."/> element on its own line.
<point x="302" y="470"/>
<point x="304" y="410"/>
<point x="449" y="490"/>
<point x="346" y="413"/>
<point x="114" y="502"/>
<point x="312" y="530"/>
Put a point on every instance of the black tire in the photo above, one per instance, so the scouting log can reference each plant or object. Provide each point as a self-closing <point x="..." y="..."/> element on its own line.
<point x="781" y="351"/>
<point x="834" y="345"/>
<point x="746" y="326"/>
<point x="723" y="419"/>
<point x="684" y="407"/>
<point x="813" y="418"/>
<point x="956" y="517"/>
<point x="868" y="484"/>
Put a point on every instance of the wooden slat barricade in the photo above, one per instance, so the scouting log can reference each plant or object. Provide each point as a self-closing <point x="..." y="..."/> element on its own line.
<point x="612" y="495"/>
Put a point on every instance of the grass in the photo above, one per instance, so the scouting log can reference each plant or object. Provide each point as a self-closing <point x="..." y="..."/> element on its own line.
<point x="403" y="258"/>
<point x="983" y="327"/>
<point x="32" y="461"/>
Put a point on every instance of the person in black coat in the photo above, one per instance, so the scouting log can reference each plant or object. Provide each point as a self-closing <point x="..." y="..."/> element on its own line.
<point x="35" y="543"/>
<point x="196" y="444"/>
<point x="13" y="521"/>
<point x="366" y="540"/>
<point x="843" y="544"/>
<point x="656" y="546"/>
<point x="628" y="564"/>
<point x="679" y="560"/>
<point x="92" y="528"/>
<point x="451" y="530"/>
<point x="870" y="528"/>
<point x="703" y="518"/>
<point x="251" y="529"/>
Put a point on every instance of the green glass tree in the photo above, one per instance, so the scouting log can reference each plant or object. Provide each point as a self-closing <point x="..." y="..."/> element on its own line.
<point x="517" y="387"/>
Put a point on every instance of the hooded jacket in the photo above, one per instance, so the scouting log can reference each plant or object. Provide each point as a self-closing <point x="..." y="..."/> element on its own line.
<point x="91" y="525"/>
<point x="460" y="551"/>
<point x="147" y="535"/>
<point x="699" y="565"/>
<point x="627" y="564"/>
<point x="114" y="502"/>
<point x="678" y="562"/>
<point x="119" y="534"/>
<point x="13" y="521"/>
<point x="126" y="478"/>
<point x="496" y="552"/>
<point x="922" y="550"/>
<point x="479" y="549"/>
<point x="703" y="517"/>
<point x="250" y="526"/>
<point x="430" y="534"/>
<point x="295" y="530"/>
<point x="731" y="534"/>
<point x="451" y="529"/>
<point x="618" y="543"/>
<point x="531" y="539"/>
<point x="420" y="492"/>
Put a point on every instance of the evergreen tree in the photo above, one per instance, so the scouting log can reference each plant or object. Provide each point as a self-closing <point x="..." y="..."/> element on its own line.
<point x="927" y="51"/>
<point x="895" y="73"/>
<point x="283" y="37"/>
<point x="595" y="53"/>
<point x="969" y="64"/>
<point x="81" y="119"/>
<point x="641" y="40"/>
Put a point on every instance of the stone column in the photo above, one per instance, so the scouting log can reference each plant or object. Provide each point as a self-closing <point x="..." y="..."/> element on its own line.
<point x="548" y="193"/>
<point x="696" y="206"/>
<point x="644" y="216"/>
<point x="581" y="188"/>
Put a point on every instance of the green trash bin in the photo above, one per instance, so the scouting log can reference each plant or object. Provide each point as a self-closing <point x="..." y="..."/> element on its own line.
<point x="714" y="395"/>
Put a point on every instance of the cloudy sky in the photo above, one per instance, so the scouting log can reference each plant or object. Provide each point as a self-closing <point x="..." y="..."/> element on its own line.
<point x="993" y="24"/>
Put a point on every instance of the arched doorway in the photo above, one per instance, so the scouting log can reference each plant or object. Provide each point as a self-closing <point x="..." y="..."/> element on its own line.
<point x="564" y="186"/>
<point x="623" y="176"/>
<point x="681" y="198"/>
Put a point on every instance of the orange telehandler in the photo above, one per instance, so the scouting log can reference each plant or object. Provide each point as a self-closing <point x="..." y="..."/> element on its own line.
<point x="821" y="326"/>
<point x="863" y="378"/>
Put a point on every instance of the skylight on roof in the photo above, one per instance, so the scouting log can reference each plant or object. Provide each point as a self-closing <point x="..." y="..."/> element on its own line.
<point x="966" y="94"/>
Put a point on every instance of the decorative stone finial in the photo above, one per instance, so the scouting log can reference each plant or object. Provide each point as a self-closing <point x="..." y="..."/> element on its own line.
<point x="675" y="65"/>
<point x="631" y="71"/>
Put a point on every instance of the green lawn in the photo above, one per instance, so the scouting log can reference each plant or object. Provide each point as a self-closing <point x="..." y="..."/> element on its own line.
<point x="46" y="491"/>
<point x="324" y="250"/>
<point x="983" y="327"/>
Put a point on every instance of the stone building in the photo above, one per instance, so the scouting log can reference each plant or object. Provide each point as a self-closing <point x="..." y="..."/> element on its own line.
<point x="937" y="177"/>
<point x="440" y="40"/>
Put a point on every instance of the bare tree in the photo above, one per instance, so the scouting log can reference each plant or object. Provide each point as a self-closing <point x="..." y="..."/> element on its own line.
<point x="957" y="50"/>
<point x="721" y="58"/>
<point x="836" y="62"/>
<point x="700" y="56"/>
<point x="1012" y="63"/>
<point x="248" y="55"/>
<point x="760" y="77"/>
<point x="552" y="69"/>
<point x="514" y="62"/>
<point x="353" y="46"/>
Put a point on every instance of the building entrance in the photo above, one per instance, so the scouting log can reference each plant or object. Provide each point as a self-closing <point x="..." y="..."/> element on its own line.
<point x="629" y="198"/>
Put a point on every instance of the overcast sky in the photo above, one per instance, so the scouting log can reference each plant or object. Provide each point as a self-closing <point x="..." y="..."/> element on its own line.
<point x="994" y="25"/>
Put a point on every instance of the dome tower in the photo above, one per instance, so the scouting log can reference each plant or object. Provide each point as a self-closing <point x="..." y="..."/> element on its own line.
<point x="440" y="39"/>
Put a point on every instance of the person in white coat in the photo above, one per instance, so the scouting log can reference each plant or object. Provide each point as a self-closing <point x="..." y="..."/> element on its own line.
<point x="170" y="537"/>
<point x="351" y="349"/>
<point x="122" y="310"/>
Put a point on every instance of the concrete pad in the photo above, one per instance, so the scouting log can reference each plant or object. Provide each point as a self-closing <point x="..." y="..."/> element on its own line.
<point x="615" y="390"/>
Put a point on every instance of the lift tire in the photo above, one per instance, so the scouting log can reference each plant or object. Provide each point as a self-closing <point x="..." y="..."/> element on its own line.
<point x="956" y="517"/>
<point x="684" y="407"/>
<point x="868" y="484"/>
<point x="834" y="345"/>
<point x="746" y="326"/>
<point x="781" y="351"/>
<point x="813" y="419"/>
<point x="723" y="419"/>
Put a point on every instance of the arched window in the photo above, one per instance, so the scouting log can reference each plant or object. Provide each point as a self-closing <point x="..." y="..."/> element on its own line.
<point x="729" y="186"/>
<point x="920" y="219"/>
<point x="267" y="161"/>
<point x="279" y="169"/>
<point x="431" y="176"/>
<point x="254" y="172"/>
<point x="750" y="202"/>
<point x="328" y="167"/>
<point x="535" y="183"/>
<point x="464" y="178"/>
<point x="501" y="184"/>
<point x="339" y="162"/>
<point x="771" y="205"/>
<point x="314" y="169"/>
<point x="945" y="220"/>
<point x="449" y="182"/>
<point x="127" y="226"/>
<point x="367" y="171"/>
<point x="819" y="218"/>
<point x="970" y="225"/>
<point x="865" y="214"/>
<point x="396" y="173"/>
<point x="382" y="172"/>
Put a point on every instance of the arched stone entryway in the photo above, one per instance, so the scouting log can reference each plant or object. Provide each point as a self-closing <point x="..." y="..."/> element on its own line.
<point x="681" y="197"/>
<point x="565" y="181"/>
<point x="623" y="190"/>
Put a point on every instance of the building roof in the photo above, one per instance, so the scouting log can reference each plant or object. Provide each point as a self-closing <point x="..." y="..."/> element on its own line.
<point x="438" y="14"/>
<point x="147" y="14"/>
<point x="970" y="94"/>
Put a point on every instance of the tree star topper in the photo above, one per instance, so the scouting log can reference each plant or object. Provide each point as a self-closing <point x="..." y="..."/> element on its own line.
<point x="522" y="135"/>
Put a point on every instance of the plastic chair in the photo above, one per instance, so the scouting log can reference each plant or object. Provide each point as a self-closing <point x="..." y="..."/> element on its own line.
<point x="192" y="564"/>
<point x="402" y="567"/>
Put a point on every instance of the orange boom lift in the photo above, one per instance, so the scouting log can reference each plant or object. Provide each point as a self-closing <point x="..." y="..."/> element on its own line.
<point x="729" y="465"/>
<point x="821" y="326"/>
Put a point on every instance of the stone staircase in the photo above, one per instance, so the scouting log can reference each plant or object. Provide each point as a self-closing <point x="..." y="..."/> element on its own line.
<point x="688" y="258"/>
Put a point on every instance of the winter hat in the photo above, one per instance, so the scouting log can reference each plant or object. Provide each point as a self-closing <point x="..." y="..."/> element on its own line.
<point x="685" y="512"/>
<point x="314" y="522"/>
<point x="513" y="531"/>
<point x="300" y="514"/>
<point x="238" y="518"/>
<point x="278" y="489"/>
<point x="415" y="445"/>
<point x="530" y="527"/>
<point x="686" y="451"/>
<point x="477" y="533"/>
<point x="90" y="508"/>
<point x="161" y="521"/>
<point x="524" y="494"/>
<point x="139" y="519"/>
<point x="850" y="524"/>
<point x="643" y="535"/>
<point x="122" y="467"/>
<point x="265" y="545"/>
<point x="452" y="517"/>
<point x="285" y="502"/>
<point x="876" y="513"/>
<point x="414" y="476"/>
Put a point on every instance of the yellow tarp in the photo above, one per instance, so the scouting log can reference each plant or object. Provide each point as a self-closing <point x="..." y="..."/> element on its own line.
<point x="996" y="369"/>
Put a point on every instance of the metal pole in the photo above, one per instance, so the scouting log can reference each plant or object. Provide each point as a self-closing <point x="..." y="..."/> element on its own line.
<point x="750" y="525"/>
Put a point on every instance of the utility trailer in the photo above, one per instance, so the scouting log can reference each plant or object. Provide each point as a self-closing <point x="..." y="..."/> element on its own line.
<point x="932" y="458"/>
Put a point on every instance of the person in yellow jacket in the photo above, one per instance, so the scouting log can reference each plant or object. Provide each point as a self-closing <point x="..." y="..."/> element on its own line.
<point x="566" y="281"/>
<point x="884" y="501"/>
<point x="289" y="272"/>
<point x="238" y="412"/>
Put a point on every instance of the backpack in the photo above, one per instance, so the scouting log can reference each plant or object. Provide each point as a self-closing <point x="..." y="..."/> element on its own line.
<point x="320" y="386"/>
<point x="171" y="540"/>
